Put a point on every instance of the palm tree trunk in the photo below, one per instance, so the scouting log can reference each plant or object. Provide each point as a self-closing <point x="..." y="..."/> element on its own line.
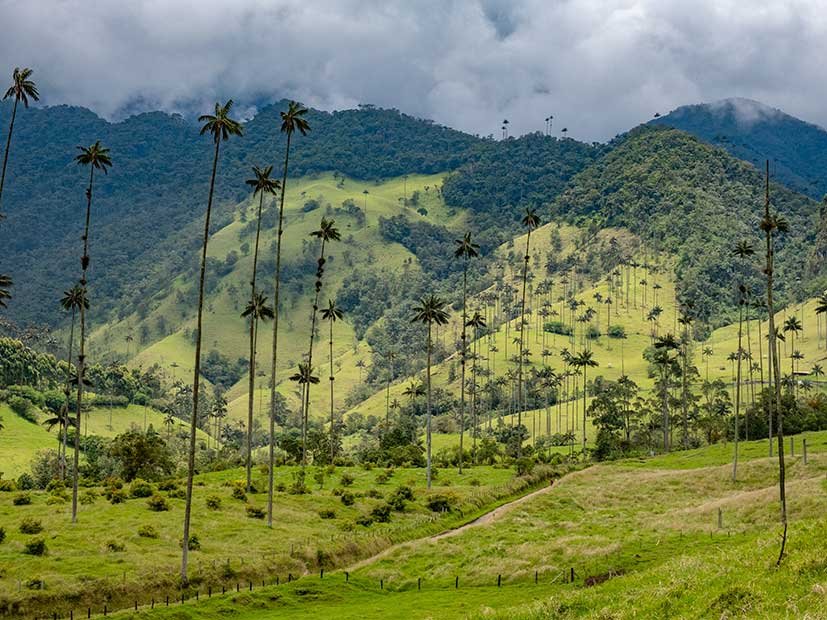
<point x="522" y="342"/>
<point x="65" y="429"/>
<point x="272" y="434"/>
<point x="585" y="391"/>
<point x="428" y="414"/>
<point x="253" y="338"/>
<point x="84" y="261"/>
<point x="332" y="449"/>
<point x="8" y="146"/>
<point x="463" y="338"/>
<point x="196" y="380"/>
<point x="313" y="312"/>
<point x="738" y="393"/>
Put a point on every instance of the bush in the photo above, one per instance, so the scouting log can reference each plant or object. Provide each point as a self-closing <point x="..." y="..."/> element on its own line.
<point x="158" y="503"/>
<point x="347" y="498"/>
<point x="6" y="486"/>
<point x="401" y="495"/>
<point x="365" y="520"/>
<point x="2" y="534"/>
<point x="384" y="476"/>
<point x="177" y="494"/>
<point x="255" y="512"/>
<point x="140" y="488"/>
<point x="213" y="502"/>
<point x="88" y="497"/>
<point x="381" y="513"/>
<point x="346" y="480"/>
<point x="440" y="502"/>
<point x="324" y="514"/>
<point x="117" y="496"/>
<point x="557" y="327"/>
<point x="616" y="331"/>
<point x="35" y="546"/>
<point x="169" y="484"/>
<point x="56" y="500"/>
<point x="147" y="531"/>
<point x="374" y="493"/>
<point x="194" y="543"/>
<point x="22" y="499"/>
<point x="25" y="482"/>
<point x="115" y="546"/>
<point x="298" y="487"/>
<point x="30" y="525"/>
<point x="23" y="407"/>
<point x="592" y="332"/>
<point x="524" y="465"/>
<point x="239" y="494"/>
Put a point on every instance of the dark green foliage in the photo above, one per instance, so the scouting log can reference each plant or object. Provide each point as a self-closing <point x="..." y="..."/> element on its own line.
<point x="381" y="513"/>
<point x="440" y="502"/>
<point x="158" y="503"/>
<point x="35" y="546"/>
<point x="2" y="534"/>
<point x="557" y="327"/>
<point x="346" y="480"/>
<point x="147" y="531"/>
<point x="117" y="496"/>
<point x="24" y="408"/>
<point x="25" y="482"/>
<point x="114" y="546"/>
<point x="140" y="488"/>
<point x="30" y="525"/>
<point x="220" y="370"/>
<point x="616" y="331"/>
<point x="255" y="512"/>
<point x="22" y="499"/>
<point x="213" y="502"/>
<point x="347" y="498"/>
<point x="327" y="514"/>
<point x="143" y="455"/>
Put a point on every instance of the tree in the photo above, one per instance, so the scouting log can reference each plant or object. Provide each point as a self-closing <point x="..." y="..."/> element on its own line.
<point x="22" y="89"/>
<point x="256" y="310"/>
<point x="262" y="185"/>
<point x="97" y="158"/>
<point x="531" y="221"/>
<point x="221" y="127"/>
<point x="430" y="311"/>
<point x="793" y="326"/>
<point x="72" y="300"/>
<point x="5" y="285"/>
<point x="332" y="314"/>
<point x="465" y="250"/>
<point x="326" y="233"/>
<point x="292" y="120"/>
<point x="476" y="322"/>
<point x="304" y="377"/>
<point x="821" y="308"/>
<point x="772" y="225"/>
<point x="582" y="361"/>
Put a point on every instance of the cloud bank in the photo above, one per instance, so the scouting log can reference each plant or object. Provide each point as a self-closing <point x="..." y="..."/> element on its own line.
<point x="598" y="66"/>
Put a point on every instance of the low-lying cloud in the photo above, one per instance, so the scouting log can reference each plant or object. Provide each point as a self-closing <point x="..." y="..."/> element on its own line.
<point x="598" y="66"/>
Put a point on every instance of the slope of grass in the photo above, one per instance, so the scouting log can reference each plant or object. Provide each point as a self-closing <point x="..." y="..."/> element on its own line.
<point x="19" y="441"/>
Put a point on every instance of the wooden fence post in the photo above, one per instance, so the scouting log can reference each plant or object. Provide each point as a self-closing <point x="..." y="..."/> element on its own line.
<point x="419" y="583"/>
<point x="804" y="446"/>
<point x="792" y="446"/>
<point x="720" y="518"/>
<point x="381" y="584"/>
<point x="456" y="582"/>
<point x="499" y="580"/>
<point x="571" y="580"/>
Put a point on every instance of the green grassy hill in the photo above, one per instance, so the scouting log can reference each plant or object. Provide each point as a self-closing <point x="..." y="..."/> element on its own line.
<point x="19" y="441"/>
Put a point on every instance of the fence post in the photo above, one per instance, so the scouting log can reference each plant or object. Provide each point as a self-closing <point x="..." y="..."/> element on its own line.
<point x="571" y="580"/>
<point x="381" y="584"/>
<point x="456" y="581"/>
<point x="209" y="591"/>
<point x="167" y="600"/>
<point x="499" y="580"/>
<point x="347" y="577"/>
<point x="321" y="573"/>
<point x="104" y="610"/>
<point x="251" y="586"/>
<point x="804" y="444"/>
<point x="535" y="576"/>
<point x="136" y="605"/>
<point x="720" y="518"/>
<point x="419" y="583"/>
<point x="792" y="446"/>
<point x="197" y="592"/>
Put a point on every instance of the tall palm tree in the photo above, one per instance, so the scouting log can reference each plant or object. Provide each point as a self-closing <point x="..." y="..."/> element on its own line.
<point x="22" y="89"/>
<point x="97" y="158"/>
<point x="794" y="327"/>
<point x="391" y="356"/>
<point x="326" y="233"/>
<point x="332" y="314"/>
<point x="476" y="322"/>
<point x="256" y="310"/>
<point x="582" y="361"/>
<point x="821" y="308"/>
<point x="304" y="377"/>
<point x="742" y="300"/>
<point x="5" y="285"/>
<point x="531" y="221"/>
<point x="773" y="225"/>
<point x="263" y="185"/>
<point x="465" y="250"/>
<point x="72" y="300"/>
<point x="430" y="311"/>
<point x="292" y="120"/>
<point x="220" y="126"/>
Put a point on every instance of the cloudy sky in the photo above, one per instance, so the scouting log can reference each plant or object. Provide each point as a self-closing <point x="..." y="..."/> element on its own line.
<point x="599" y="66"/>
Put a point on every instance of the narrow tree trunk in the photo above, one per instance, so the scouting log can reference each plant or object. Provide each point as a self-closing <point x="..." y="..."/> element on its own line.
<point x="272" y="432"/>
<point x="428" y="413"/>
<point x="332" y="435"/>
<point x="738" y="391"/>
<point x="463" y="344"/>
<point x="67" y="421"/>
<point x="84" y="262"/>
<point x="196" y="380"/>
<point x="8" y="146"/>
<point x="313" y="312"/>
<point x="522" y="343"/>
<point x="584" y="408"/>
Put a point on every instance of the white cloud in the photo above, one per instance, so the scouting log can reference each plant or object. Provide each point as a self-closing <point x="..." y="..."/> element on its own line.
<point x="599" y="66"/>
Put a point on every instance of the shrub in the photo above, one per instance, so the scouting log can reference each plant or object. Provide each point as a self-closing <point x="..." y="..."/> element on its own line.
<point x="381" y="513"/>
<point x="324" y="514"/>
<point x="592" y="332"/>
<point x="401" y="495"/>
<point x="2" y="534"/>
<point x="140" y="488"/>
<point x="115" y="546"/>
<point x="524" y="465"/>
<point x="194" y="543"/>
<point x="113" y="482"/>
<point x="616" y="331"/>
<point x="117" y="496"/>
<point x="213" y="502"/>
<point x="35" y="546"/>
<point x="22" y="499"/>
<point x="557" y="327"/>
<point x="255" y="512"/>
<point x="23" y="407"/>
<point x="337" y="491"/>
<point x="88" y="497"/>
<point x="54" y="500"/>
<point x="374" y="493"/>
<point x="474" y="482"/>
<point x="25" y="482"/>
<point x="168" y="485"/>
<point x="239" y="494"/>
<point x="147" y="531"/>
<point x="384" y="476"/>
<point x="6" y="486"/>
<point x="347" y="498"/>
<point x="56" y="485"/>
<point x="439" y="502"/>
<point x="365" y="520"/>
<point x="346" y="480"/>
<point x="177" y="494"/>
<point x="30" y="525"/>
<point x="280" y="487"/>
<point x="158" y="503"/>
<point x="298" y="487"/>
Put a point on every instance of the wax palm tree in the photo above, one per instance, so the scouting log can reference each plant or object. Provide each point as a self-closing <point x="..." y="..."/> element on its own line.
<point x="304" y="377"/>
<point x="5" y="293"/>
<point x="531" y="221"/>
<point x="97" y="158"/>
<point x="22" y="89"/>
<point x="72" y="300"/>
<point x="792" y="326"/>
<point x="476" y="322"/>
<point x="332" y="314"/>
<point x="707" y="352"/>
<point x="256" y="310"/>
<point x="219" y="412"/>
<point x="772" y="225"/>
<point x="326" y="233"/>
<point x="582" y="361"/>
<point x="465" y="250"/>
<point x="262" y="185"/>
<point x="821" y="308"/>
<point x="169" y="422"/>
<point x="430" y="311"/>
<point x="221" y="127"/>
<point x="292" y="120"/>
<point x="414" y="391"/>
<point x="390" y="356"/>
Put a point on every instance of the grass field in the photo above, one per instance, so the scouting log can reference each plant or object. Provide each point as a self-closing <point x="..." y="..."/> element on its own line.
<point x="19" y="441"/>
<point x="643" y="538"/>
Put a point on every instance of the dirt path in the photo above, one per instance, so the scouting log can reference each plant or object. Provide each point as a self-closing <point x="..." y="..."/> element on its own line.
<point x="484" y="519"/>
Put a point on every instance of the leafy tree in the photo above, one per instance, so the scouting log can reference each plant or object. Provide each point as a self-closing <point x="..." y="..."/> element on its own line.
<point x="143" y="455"/>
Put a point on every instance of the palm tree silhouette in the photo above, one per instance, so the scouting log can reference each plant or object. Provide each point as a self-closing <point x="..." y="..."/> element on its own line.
<point x="221" y="127"/>
<point x="97" y="158"/>
<point x="304" y="377"/>
<point x="466" y="249"/>
<point x="332" y="314"/>
<point x="22" y="89"/>
<point x="476" y="322"/>
<point x="531" y="221"/>
<point x="292" y="120"/>
<point x="430" y="311"/>
<point x="72" y="300"/>
<point x="821" y="308"/>
<point x="326" y="233"/>
<point x="256" y="310"/>
<point x="793" y="326"/>
<point x="582" y="361"/>
<point x="5" y="293"/>
<point x="262" y="185"/>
